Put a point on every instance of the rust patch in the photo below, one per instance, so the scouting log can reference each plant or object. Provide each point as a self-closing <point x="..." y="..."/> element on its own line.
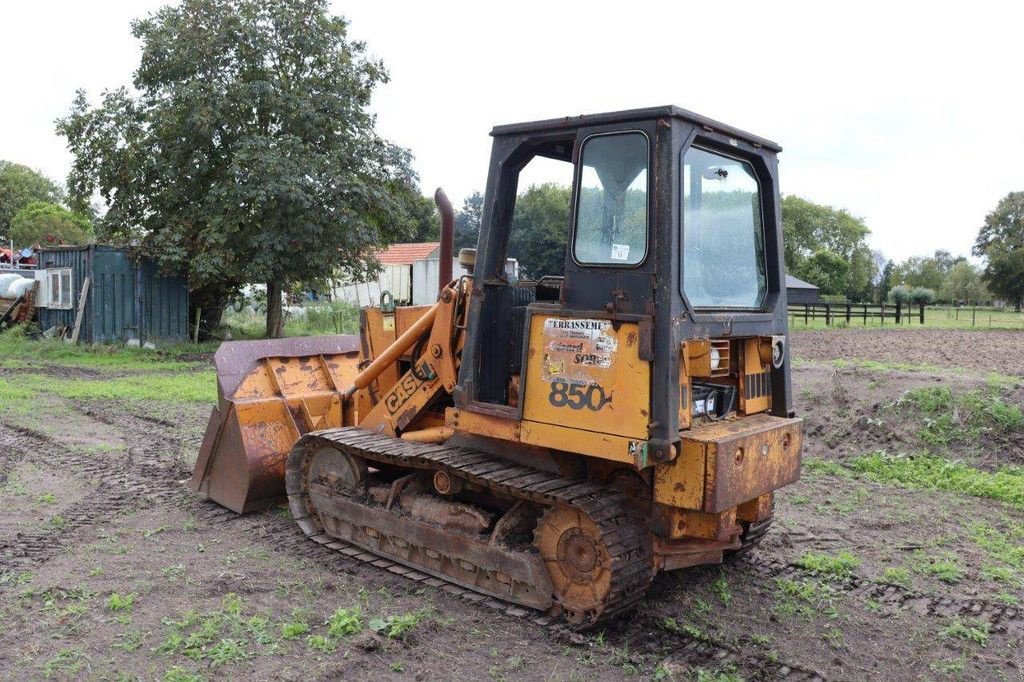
<point x="631" y="339"/>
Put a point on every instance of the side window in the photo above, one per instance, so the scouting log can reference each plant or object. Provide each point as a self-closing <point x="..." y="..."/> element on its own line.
<point x="540" y="220"/>
<point x="723" y="238"/>
<point x="58" y="289"/>
<point x="611" y="220"/>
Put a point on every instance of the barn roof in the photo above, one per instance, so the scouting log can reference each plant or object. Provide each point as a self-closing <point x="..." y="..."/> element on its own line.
<point x="794" y="283"/>
<point x="406" y="254"/>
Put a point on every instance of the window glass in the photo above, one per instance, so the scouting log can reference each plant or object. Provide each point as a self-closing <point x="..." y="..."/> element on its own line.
<point x="723" y="238"/>
<point x="540" y="220"/>
<point x="611" y="220"/>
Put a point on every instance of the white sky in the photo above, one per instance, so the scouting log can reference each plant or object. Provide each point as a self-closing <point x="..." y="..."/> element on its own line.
<point x="912" y="118"/>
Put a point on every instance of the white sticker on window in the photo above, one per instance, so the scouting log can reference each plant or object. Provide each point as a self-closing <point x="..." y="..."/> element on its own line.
<point x="620" y="252"/>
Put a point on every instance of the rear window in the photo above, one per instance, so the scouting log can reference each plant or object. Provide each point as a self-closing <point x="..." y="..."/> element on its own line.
<point x="723" y="235"/>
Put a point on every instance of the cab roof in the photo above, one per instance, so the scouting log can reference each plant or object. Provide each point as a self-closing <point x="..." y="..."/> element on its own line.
<point x="630" y="115"/>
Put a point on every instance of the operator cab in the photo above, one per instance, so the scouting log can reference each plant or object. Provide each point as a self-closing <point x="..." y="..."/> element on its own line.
<point x="671" y="235"/>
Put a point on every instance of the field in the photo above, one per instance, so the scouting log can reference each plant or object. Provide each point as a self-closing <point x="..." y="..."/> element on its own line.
<point x="935" y="317"/>
<point x="899" y="555"/>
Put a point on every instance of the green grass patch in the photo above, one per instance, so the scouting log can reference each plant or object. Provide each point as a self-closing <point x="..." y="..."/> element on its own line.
<point x="197" y="387"/>
<point x="121" y="602"/>
<point x="16" y="346"/>
<point x="976" y="631"/>
<point x="895" y="575"/>
<point x="344" y="622"/>
<point x="836" y="566"/>
<point x="937" y="473"/>
<point x="961" y="417"/>
<point x="397" y="627"/>
<point x="945" y="568"/>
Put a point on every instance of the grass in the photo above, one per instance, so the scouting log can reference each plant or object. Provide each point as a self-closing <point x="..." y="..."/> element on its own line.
<point x="839" y="566"/>
<point x="121" y="602"/>
<point x="945" y="568"/>
<point x="344" y="622"/>
<point x="16" y="346"/>
<point x="397" y="627"/>
<point x="805" y="598"/>
<point x="190" y="387"/>
<point x="894" y="575"/>
<point x="976" y="631"/>
<point x="931" y="472"/>
<point x="962" y="417"/>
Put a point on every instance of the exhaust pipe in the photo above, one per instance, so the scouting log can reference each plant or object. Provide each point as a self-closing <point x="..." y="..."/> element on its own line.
<point x="446" y="251"/>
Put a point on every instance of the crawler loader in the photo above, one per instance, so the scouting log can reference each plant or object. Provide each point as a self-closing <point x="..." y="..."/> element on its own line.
<point x="553" y="440"/>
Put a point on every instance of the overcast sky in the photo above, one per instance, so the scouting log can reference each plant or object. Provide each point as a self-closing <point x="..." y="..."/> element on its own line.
<point x="910" y="118"/>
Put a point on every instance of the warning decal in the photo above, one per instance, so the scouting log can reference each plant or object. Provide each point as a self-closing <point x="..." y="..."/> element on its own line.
<point x="572" y="347"/>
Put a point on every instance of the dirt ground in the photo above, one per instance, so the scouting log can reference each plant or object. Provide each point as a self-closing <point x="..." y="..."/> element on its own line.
<point x="110" y="570"/>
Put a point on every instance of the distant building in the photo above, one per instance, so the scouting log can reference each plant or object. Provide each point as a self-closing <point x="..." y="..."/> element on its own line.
<point x="799" y="292"/>
<point x="410" y="273"/>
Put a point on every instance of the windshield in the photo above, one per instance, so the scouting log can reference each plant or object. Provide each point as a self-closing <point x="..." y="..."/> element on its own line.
<point x="611" y="218"/>
<point x="723" y="239"/>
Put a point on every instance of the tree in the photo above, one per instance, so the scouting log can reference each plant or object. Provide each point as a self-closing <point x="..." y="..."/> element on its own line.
<point x="248" y="154"/>
<point x="42" y="223"/>
<point x="467" y="221"/>
<point x="828" y="270"/>
<point x="928" y="271"/>
<point x="20" y="186"/>
<point x="540" y="228"/>
<point x="1001" y="241"/>
<point x="963" y="285"/>
<point x="886" y="282"/>
<point x="810" y="229"/>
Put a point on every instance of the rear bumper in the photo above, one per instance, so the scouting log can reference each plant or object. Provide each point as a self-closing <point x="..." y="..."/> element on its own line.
<point x="724" y="464"/>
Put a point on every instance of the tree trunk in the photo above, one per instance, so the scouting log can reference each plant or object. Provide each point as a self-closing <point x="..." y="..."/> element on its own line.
<point x="210" y="300"/>
<point x="274" y="317"/>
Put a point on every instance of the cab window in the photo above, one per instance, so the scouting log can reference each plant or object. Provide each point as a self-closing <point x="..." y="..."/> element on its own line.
<point x="723" y="235"/>
<point x="611" y="214"/>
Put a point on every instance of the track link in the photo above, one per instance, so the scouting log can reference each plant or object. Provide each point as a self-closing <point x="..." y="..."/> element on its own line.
<point x="624" y="532"/>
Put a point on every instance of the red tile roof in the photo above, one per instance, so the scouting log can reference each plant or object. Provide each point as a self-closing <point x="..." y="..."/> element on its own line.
<point x="404" y="254"/>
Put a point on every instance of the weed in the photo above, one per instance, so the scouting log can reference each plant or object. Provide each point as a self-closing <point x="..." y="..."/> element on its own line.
<point x="67" y="663"/>
<point x="96" y="571"/>
<point x="397" y="627"/>
<point x="345" y="622"/>
<point x="150" y="532"/>
<point x="1007" y="598"/>
<point x="227" y="651"/>
<point x="129" y="641"/>
<point x="258" y="627"/>
<point x="179" y="674"/>
<point x="761" y="640"/>
<point x="805" y="598"/>
<point x="834" y="637"/>
<point x="813" y="465"/>
<point x="951" y="666"/>
<point x="121" y="602"/>
<point x="321" y="643"/>
<point x="944" y="568"/>
<point x="293" y="630"/>
<point x="977" y="632"/>
<point x="703" y="675"/>
<point x="397" y="666"/>
<point x="57" y="522"/>
<point x="873" y="605"/>
<point x="22" y="578"/>
<point x="937" y="473"/>
<point x="46" y="498"/>
<point x="999" y="574"/>
<point x="962" y="417"/>
<point x="998" y="545"/>
<point x="894" y="575"/>
<point x="839" y="566"/>
<point x="799" y="499"/>
<point x="173" y="573"/>
<point x="721" y="589"/>
<point x="173" y="644"/>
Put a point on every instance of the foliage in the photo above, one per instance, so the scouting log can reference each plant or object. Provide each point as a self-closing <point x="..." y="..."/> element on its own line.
<point x="19" y="187"/>
<point x="811" y="229"/>
<point x="900" y="294"/>
<point x="397" y="627"/>
<point x="927" y="271"/>
<point x="42" y="223"/>
<point x="938" y="473"/>
<point x="467" y="221"/>
<point x="885" y="283"/>
<point x="345" y="622"/>
<point x="963" y="285"/>
<point x="248" y="153"/>
<point x="922" y="295"/>
<point x="977" y="632"/>
<point x="540" y="226"/>
<point x="121" y="602"/>
<point x="838" y="566"/>
<point x="1001" y="241"/>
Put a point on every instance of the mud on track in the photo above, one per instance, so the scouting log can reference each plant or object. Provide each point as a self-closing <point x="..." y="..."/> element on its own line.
<point x="121" y="522"/>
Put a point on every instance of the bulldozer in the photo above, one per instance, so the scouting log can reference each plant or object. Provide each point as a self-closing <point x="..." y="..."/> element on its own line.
<point x="551" y="440"/>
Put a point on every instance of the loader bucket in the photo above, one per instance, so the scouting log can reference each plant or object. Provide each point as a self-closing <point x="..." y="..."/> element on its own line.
<point x="269" y="394"/>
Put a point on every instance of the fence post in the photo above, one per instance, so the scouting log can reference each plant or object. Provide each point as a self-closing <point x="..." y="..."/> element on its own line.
<point x="828" y="314"/>
<point x="922" y="313"/>
<point x="807" y="313"/>
<point x="865" y="314"/>
<point x="847" y="313"/>
<point x="883" y="315"/>
<point x="974" y="314"/>
<point x="899" y="313"/>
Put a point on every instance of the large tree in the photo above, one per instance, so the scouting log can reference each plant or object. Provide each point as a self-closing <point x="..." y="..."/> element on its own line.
<point x="20" y="186"/>
<point x="811" y="229"/>
<point x="1001" y="241"/>
<point x="467" y="221"/>
<point x="963" y="284"/>
<point x="246" y="152"/>
<point x="42" y="223"/>
<point x="540" y="230"/>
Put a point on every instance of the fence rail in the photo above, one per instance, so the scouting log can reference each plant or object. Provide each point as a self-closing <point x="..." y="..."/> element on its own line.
<point x="896" y="313"/>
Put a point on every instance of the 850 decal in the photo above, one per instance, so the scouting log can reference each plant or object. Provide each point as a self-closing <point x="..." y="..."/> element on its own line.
<point x="578" y="396"/>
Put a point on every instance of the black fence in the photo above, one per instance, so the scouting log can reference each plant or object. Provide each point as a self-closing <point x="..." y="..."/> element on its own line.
<point x="831" y="313"/>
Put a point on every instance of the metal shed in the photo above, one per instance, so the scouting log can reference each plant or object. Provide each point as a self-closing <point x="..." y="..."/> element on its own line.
<point x="121" y="293"/>
<point x="801" y="292"/>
